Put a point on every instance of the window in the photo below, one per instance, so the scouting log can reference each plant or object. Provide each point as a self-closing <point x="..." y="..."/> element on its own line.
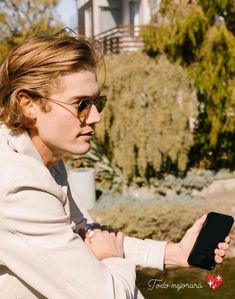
<point x="110" y="17"/>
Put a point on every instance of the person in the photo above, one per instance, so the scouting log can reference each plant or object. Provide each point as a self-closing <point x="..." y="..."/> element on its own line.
<point x="50" y="102"/>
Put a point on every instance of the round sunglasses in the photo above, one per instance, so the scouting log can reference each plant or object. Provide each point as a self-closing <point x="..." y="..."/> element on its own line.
<point x="83" y="106"/>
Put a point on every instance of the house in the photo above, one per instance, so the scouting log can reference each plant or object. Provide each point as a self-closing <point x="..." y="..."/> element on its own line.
<point x="115" y="22"/>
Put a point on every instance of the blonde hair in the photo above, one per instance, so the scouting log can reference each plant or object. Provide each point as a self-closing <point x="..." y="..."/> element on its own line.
<point x="34" y="66"/>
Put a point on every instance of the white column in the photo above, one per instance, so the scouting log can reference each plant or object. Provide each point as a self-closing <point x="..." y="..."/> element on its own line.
<point x="88" y="22"/>
<point x="146" y="13"/>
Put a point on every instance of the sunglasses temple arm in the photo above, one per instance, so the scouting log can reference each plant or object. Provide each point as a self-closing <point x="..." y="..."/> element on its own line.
<point x="83" y="121"/>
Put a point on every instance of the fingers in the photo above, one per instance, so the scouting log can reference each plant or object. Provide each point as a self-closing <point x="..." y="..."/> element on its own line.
<point x="219" y="252"/>
<point x="113" y="234"/>
<point x="97" y="232"/>
<point x="218" y="259"/>
<point x="105" y="233"/>
<point x="120" y="236"/>
<point x="105" y="244"/>
<point x="87" y="241"/>
<point x="91" y="234"/>
<point x="219" y="255"/>
<point x="223" y="246"/>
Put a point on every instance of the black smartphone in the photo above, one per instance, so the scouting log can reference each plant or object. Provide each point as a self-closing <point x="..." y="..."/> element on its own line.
<point x="214" y="230"/>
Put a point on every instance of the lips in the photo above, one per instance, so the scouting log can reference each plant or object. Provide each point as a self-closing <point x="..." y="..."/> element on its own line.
<point x="86" y="134"/>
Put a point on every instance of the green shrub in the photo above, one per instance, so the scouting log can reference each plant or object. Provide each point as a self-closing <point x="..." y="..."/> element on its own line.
<point x="159" y="221"/>
<point x="146" y="123"/>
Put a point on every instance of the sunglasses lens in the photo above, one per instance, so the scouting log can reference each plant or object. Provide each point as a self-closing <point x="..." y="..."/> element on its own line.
<point x="100" y="103"/>
<point x="83" y="108"/>
<point x="85" y="104"/>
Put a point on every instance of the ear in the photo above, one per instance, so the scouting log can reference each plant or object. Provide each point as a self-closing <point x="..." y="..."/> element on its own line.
<point x="27" y="105"/>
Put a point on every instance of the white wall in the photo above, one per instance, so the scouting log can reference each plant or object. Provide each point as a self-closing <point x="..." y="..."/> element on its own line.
<point x="142" y="17"/>
<point x="80" y="3"/>
<point x="96" y="17"/>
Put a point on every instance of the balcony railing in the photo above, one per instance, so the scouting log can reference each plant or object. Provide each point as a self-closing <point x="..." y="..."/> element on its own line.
<point x="121" y="39"/>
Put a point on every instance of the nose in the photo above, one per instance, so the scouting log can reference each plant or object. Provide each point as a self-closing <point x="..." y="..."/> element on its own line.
<point x="93" y="116"/>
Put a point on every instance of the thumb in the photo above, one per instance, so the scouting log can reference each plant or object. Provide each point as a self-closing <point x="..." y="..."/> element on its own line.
<point x="198" y="224"/>
<point x="87" y="241"/>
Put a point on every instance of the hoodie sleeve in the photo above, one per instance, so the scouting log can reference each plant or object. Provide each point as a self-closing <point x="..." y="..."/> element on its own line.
<point x="38" y="245"/>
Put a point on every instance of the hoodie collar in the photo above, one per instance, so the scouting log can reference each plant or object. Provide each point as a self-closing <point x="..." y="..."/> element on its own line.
<point x="20" y="143"/>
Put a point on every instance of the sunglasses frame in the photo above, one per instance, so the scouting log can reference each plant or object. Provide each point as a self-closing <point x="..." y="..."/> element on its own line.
<point x="82" y="115"/>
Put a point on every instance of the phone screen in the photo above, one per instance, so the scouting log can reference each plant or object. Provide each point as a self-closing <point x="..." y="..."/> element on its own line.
<point x="215" y="229"/>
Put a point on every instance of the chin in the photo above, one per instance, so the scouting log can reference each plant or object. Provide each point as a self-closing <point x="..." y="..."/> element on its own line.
<point x="80" y="150"/>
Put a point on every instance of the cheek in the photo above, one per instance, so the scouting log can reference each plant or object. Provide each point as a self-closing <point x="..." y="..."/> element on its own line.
<point x="57" y="124"/>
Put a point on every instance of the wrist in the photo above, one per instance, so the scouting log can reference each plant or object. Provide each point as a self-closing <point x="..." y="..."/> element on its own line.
<point x="172" y="255"/>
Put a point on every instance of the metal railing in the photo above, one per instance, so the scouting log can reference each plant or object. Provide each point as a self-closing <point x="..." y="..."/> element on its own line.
<point x="121" y="39"/>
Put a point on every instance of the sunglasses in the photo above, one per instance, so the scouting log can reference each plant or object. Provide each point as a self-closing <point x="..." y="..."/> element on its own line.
<point x="83" y="106"/>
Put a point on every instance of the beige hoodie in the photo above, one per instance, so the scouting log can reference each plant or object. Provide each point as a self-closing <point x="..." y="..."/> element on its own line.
<point x="41" y="255"/>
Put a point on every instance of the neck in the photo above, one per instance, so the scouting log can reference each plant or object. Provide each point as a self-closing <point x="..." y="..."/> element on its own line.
<point x="48" y="157"/>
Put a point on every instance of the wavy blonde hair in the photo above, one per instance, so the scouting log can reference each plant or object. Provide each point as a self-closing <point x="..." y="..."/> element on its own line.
<point x="34" y="66"/>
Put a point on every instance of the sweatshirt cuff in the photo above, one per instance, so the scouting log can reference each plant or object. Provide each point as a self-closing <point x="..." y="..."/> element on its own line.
<point x="145" y="253"/>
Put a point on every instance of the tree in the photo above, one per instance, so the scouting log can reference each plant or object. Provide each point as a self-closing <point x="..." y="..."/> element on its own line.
<point x="219" y="10"/>
<point x="177" y="31"/>
<point x="200" y="37"/>
<point x="146" y="123"/>
<point x="21" y="19"/>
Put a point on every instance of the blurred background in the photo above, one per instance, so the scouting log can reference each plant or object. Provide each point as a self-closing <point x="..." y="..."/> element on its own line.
<point x="164" y="153"/>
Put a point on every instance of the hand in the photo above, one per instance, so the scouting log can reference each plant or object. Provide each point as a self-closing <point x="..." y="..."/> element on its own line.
<point x="177" y="254"/>
<point x="105" y="244"/>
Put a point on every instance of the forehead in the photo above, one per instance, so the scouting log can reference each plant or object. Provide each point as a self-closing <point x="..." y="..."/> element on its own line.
<point x="82" y="82"/>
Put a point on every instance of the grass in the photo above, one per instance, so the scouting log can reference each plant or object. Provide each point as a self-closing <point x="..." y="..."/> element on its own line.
<point x="163" y="288"/>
